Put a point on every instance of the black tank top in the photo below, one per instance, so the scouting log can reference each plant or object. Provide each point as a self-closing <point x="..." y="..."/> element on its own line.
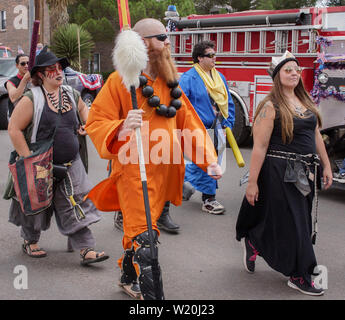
<point x="15" y="81"/>
<point x="66" y="144"/>
<point x="303" y="141"/>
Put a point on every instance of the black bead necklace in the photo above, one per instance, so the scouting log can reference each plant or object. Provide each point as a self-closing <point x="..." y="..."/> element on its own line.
<point x="56" y="102"/>
<point x="154" y="101"/>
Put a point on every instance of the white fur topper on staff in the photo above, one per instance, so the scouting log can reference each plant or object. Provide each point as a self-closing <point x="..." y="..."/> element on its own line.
<point x="129" y="57"/>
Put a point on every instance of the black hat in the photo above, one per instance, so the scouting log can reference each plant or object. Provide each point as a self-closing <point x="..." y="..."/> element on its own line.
<point x="47" y="58"/>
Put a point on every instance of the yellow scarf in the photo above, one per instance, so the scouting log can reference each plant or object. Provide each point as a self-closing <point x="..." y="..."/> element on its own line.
<point x="216" y="88"/>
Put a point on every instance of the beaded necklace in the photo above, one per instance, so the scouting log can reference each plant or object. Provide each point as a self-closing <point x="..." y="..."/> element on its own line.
<point x="154" y="101"/>
<point x="299" y="111"/>
<point x="56" y="101"/>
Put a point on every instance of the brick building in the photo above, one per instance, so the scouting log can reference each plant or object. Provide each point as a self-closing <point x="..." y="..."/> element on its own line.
<point x="16" y="21"/>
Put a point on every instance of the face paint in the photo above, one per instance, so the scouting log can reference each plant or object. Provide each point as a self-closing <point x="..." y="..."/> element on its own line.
<point x="53" y="71"/>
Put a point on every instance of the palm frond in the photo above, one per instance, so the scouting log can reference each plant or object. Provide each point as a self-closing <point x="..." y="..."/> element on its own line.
<point x="65" y="43"/>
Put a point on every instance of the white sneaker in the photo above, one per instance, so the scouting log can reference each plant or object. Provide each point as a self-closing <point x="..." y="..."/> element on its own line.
<point x="212" y="206"/>
<point x="339" y="177"/>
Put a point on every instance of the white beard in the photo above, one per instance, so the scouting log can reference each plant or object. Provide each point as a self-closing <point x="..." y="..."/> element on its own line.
<point x="129" y="57"/>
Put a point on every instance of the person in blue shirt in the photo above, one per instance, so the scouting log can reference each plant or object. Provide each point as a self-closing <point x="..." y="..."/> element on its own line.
<point x="39" y="48"/>
<point x="207" y="90"/>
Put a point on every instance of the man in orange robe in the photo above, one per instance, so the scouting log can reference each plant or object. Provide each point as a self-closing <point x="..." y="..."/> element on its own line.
<point x="110" y="123"/>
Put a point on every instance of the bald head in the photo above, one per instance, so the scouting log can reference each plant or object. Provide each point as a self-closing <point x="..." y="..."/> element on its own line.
<point x="157" y="42"/>
<point x="148" y="27"/>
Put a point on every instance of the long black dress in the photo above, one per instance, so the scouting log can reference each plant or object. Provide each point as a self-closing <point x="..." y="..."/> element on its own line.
<point x="280" y="224"/>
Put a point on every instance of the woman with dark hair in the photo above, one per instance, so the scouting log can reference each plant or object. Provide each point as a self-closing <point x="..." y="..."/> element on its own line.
<point x="50" y="109"/>
<point x="275" y="219"/>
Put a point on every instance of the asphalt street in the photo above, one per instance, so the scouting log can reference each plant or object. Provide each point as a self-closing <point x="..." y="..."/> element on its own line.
<point x="202" y="262"/>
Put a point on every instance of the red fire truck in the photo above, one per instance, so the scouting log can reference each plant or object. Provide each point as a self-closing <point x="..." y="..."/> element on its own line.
<point x="246" y="42"/>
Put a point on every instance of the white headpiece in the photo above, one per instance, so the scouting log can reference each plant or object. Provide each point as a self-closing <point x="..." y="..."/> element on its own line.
<point x="278" y="62"/>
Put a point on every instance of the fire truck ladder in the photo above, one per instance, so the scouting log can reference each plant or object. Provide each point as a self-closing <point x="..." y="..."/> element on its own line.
<point x="183" y="41"/>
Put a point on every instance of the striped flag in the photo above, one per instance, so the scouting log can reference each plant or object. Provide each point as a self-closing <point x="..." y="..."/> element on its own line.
<point x="90" y="81"/>
<point x="124" y="17"/>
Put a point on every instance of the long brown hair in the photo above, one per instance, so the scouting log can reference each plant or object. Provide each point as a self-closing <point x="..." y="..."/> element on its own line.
<point x="278" y="99"/>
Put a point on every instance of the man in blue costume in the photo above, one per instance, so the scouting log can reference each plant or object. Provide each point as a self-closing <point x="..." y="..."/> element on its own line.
<point x="207" y="90"/>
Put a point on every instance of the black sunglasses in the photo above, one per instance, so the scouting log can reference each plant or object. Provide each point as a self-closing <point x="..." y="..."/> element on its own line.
<point x="161" y="37"/>
<point x="209" y="55"/>
<point x="24" y="63"/>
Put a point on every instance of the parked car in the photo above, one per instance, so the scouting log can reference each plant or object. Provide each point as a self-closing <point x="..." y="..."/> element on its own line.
<point x="7" y="70"/>
<point x="87" y="84"/>
<point x="5" y="52"/>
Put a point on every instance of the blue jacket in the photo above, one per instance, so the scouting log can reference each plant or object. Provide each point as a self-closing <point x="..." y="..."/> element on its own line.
<point x="194" y="88"/>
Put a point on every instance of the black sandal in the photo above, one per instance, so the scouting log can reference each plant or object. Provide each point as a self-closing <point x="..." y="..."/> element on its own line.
<point x="86" y="261"/>
<point x="27" y="249"/>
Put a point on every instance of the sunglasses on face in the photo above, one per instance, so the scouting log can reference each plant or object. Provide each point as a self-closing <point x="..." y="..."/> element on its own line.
<point x="288" y="70"/>
<point x="209" y="55"/>
<point x="161" y="37"/>
<point x="24" y="63"/>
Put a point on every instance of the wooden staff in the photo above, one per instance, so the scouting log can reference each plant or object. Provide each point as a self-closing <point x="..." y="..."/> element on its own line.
<point x="34" y="40"/>
<point x="130" y="79"/>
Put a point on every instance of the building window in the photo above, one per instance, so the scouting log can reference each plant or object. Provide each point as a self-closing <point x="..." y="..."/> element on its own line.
<point x="2" y="20"/>
<point x="96" y="62"/>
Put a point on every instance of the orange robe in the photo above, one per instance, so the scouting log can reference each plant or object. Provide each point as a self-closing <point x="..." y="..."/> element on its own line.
<point x="123" y="189"/>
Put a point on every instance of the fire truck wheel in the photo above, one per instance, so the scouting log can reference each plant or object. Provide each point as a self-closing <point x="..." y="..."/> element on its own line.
<point x="240" y="130"/>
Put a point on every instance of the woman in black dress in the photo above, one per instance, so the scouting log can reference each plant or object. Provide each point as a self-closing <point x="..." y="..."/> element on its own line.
<point x="275" y="219"/>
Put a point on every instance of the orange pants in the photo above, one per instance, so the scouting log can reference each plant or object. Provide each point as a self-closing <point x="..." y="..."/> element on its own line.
<point x="131" y="201"/>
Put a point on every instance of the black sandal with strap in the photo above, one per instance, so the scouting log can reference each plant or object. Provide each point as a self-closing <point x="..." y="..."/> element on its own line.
<point x="87" y="261"/>
<point x="27" y="249"/>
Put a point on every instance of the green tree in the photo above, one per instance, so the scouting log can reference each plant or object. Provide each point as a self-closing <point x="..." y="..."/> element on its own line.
<point x="101" y="30"/>
<point x="58" y="13"/>
<point x="184" y="7"/>
<point x="98" y="17"/>
<point x="146" y="9"/>
<point x="80" y="15"/>
<point x="140" y="9"/>
<point x="65" y="43"/>
<point x="241" y="5"/>
<point x="335" y="3"/>
<point x="204" y="6"/>
<point x="91" y="14"/>
<point x="282" y="4"/>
